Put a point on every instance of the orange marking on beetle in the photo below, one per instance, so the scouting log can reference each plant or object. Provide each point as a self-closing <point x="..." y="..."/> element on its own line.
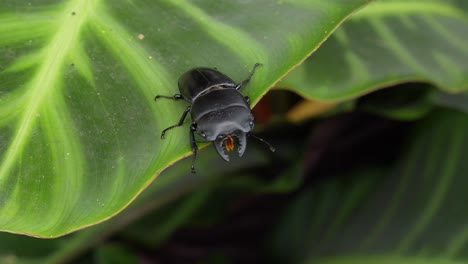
<point x="229" y="143"/>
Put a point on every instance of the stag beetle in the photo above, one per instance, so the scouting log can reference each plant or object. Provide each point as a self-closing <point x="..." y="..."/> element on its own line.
<point x="219" y="111"/>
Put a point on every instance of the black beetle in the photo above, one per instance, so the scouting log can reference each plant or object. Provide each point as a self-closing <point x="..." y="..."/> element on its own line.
<point x="219" y="111"/>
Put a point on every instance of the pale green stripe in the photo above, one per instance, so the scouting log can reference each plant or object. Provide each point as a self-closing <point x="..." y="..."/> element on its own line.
<point x="409" y="22"/>
<point x="391" y="208"/>
<point x="67" y="160"/>
<point x="324" y="205"/>
<point x="460" y="239"/>
<point x="25" y="62"/>
<point x="456" y="74"/>
<point x="147" y="71"/>
<point x="149" y="74"/>
<point x="81" y="62"/>
<point x="341" y="37"/>
<point x="458" y="244"/>
<point x="350" y="201"/>
<point x="23" y="28"/>
<point x="449" y="162"/>
<point x="119" y="186"/>
<point x="395" y="45"/>
<point x="239" y="42"/>
<point x="448" y="34"/>
<point x="357" y="66"/>
<point x="404" y="7"/>
<point x="10" y="107"/>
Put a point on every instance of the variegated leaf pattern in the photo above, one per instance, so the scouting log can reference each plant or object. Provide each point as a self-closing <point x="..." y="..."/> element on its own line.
<point x="79" y="130"/>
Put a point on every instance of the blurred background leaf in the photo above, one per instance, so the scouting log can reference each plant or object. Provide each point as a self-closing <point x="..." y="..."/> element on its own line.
<point x="411" y="211"/>
<point x="387" y="43"/>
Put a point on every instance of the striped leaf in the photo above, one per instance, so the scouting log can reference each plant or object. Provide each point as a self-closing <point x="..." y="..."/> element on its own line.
<point x="412" y="212"/>
<point x="389" y="42"/>
<point x="79" y="130"/>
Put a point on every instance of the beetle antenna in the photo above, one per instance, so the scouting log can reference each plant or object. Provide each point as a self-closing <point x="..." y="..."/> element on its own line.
<point x="272" y="149"/>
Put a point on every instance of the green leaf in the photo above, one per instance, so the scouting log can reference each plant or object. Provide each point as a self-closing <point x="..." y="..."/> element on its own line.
<point x="79" y="130"/>
<point x="160" y="224"/>
<point x="114" y="254"/>
<point x="412" y="212"/>
<point x="154" y="215"/>
<point x="389" y="42"/>
<point x="15" y="248"/>
<point x="403" y="102"/>
<point x="455" y="101"/>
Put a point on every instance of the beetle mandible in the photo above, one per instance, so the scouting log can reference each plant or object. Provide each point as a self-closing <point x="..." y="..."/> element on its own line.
<point x="219" y="111"/>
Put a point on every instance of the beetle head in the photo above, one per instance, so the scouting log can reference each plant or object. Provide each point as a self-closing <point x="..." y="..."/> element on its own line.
<point x="226" y="128"/>
<point x="226" y="143"/>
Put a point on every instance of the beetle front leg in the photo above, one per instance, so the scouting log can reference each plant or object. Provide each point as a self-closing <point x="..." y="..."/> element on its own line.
<point x="174" y="97"/>
<point x="244" y="82"/>
<point x="181" y="121"/>
<point x="193" y="144"/>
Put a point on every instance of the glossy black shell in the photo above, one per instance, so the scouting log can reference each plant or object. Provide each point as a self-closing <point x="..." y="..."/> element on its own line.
<point x="220" y="112"/>
<point x="197" y="80"/>
<point x="218" y="108"/>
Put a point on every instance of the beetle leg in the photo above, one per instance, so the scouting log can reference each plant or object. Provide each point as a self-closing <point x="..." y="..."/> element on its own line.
<point x="247" y="99"/>
<point x="193" y="144"/>
<point x="181" y="121"/>
<point x="244" y="82"/>
<point x="174" y="97"/>
<point x="272" y="149"/>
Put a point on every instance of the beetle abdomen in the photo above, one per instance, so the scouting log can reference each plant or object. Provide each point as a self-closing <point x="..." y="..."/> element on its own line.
<point x="197" y="80"/>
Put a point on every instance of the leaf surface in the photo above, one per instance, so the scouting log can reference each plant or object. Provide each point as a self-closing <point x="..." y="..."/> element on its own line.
<point x="389" y="42"/>
<point x="410" y="212"/>
<point x="79" y="130"/>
